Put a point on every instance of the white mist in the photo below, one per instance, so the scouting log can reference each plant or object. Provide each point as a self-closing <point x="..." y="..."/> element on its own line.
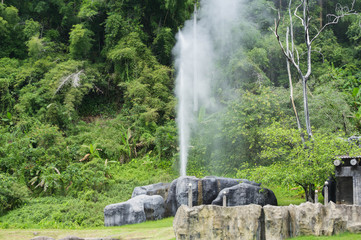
<point x="204" y="41"/>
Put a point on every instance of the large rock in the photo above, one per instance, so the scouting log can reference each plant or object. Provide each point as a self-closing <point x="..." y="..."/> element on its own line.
<point x="319" y="220"/>
<point x="152" y="189"/>
<point x="215" y="222"/>
<point x="244" y="194"/>
<point x="307" y="219"/>
<point x="267" y="223"/>
<point x="135" y="210"/>
<point x="178" y="194"/>
<point x="42" y="238"/>
<point x="204" y="191"/>
<point x="278" y="223"/>
<point x="103" y="238"/>
<point x="72" y="238"/>
<point x="211" y="186"/>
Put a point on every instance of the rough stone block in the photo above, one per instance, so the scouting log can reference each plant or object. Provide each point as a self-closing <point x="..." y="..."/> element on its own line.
<point x="215" y="222"/>
<point x="152" y="189"/>
<point x="42" y="238"/>
<point x="244" y="194"/>
<point x="135" y="210"/>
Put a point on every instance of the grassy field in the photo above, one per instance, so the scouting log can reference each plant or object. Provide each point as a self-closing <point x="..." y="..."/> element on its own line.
<point x="160" y="230"/>
<point x="345" y="236"/>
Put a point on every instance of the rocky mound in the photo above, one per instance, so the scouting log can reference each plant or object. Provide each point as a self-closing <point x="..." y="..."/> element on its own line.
<point x="155" y="201"/>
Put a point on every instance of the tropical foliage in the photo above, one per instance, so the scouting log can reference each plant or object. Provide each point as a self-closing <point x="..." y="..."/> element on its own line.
<point x="87" y="109"/>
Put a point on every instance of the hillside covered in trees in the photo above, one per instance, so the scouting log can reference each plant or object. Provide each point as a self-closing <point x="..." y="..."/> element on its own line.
<point x="87" y="106"/>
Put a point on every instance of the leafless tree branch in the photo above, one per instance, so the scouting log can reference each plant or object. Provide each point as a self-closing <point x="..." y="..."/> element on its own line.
<point x="342" y="11"/>
<point x="292" y="54"/>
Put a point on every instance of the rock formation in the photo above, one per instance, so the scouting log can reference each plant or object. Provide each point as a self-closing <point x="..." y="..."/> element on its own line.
<point x="204" y="191"/>
<point x="152" y="189"/>
<point x="244" y="194"/>
<point x="135" y="210"/>
<point x="72" y="238"/>
<point x="215" y="222"/>
<point x="267" y="223"/>
<point x="42" y="238"/>
<point x="207" y="190"/>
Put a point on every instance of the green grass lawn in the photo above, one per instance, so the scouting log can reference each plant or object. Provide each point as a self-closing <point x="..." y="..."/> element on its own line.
<point x="344" y="236"/>
<point x="160" y="230"/>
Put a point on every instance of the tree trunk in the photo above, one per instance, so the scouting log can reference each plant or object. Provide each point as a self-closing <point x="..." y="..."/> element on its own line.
<point x="305" y="107"/>
<point x="293" y="102"/>
<point x="311" y="193"/>
<point x="309" y="189"/>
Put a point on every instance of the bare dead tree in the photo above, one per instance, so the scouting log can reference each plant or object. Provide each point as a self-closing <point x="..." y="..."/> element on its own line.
<point x="292" y="55"/>
<point x="293" y="58"/>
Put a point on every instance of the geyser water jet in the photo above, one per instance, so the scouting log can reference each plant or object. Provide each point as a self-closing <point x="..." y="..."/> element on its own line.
<point x="204" y="41"/>
<point x="183" y="118"/>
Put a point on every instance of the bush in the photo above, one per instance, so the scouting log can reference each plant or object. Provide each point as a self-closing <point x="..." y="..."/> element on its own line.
<point x="12" y="193"/>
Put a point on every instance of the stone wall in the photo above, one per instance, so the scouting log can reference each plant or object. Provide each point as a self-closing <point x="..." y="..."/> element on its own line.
<point x="253" y="222"/>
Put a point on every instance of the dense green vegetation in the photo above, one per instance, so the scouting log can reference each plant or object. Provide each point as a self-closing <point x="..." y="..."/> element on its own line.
<point x="87" y="110"/>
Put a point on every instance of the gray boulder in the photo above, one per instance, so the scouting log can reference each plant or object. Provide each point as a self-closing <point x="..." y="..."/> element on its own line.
<point x="105" y="238"/>
<point x="244" y="194"/>
<point x="211" y="186"/>
<point x="135" y="210"/>
<point x="178" y="194"/>
<point x="42" y="238"/>
<point x="152" y="189"/>
<point x="204" y="191"/>
<point x="72" y="238"/>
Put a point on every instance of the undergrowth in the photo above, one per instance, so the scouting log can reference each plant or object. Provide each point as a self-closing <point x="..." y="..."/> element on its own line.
<point x="86" y="209"/>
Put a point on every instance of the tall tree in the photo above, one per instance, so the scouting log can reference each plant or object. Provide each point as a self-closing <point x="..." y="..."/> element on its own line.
<point x="292" y="54"/>
<point x="305" y="69"/>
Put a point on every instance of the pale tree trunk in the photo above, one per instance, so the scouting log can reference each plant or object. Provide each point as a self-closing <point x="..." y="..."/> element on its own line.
<point x="305" y="108"/>
<point x="291" y="88"/>
<point x="309" y="67"/>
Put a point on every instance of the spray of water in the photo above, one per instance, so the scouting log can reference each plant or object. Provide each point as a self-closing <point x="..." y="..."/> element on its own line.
<point x="208" y="38"/>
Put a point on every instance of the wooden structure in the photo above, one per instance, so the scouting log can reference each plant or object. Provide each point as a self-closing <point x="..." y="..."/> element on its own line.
<point x="348" y="179"/>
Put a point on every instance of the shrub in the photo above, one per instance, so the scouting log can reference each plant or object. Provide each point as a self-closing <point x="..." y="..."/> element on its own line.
<point x="12" y="193"/>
